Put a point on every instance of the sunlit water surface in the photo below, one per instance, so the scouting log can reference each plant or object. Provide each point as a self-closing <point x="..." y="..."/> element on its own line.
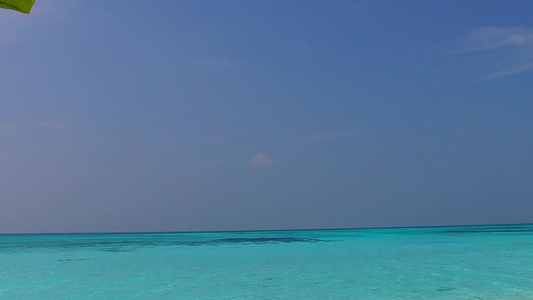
<point x="483" y="262"/>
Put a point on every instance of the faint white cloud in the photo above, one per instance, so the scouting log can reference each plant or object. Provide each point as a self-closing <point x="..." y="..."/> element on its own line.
<point x="489" y="38"/>
<point x="260" y="160"/>
<point x="513" y="69"/>
<point x="510" y="49"/>
<point x="51" y="124"/>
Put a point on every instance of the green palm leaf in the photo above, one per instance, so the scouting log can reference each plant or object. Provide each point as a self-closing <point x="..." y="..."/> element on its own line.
<point x="23" y="6"/>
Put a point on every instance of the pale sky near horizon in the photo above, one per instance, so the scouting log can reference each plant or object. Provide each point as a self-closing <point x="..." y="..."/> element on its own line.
<point x="246" y="115"/>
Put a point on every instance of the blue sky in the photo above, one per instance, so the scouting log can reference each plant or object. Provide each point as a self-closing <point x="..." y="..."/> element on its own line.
<point x="231" y="115"/>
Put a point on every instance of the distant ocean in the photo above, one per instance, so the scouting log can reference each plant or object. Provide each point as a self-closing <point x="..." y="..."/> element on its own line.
<point x="474" y="262"/>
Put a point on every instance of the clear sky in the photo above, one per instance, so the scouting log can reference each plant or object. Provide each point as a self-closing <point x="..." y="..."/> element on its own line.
<point x="230" y="115"/>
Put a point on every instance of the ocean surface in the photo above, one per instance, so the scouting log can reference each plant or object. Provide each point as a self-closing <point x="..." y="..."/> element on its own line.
<point x="474" y="262"/>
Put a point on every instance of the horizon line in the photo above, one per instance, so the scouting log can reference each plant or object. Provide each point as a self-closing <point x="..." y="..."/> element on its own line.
<point x="263" y="230"/>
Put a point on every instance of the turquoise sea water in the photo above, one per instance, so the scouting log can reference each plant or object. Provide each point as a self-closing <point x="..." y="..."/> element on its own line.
<point x="481" y="262"/>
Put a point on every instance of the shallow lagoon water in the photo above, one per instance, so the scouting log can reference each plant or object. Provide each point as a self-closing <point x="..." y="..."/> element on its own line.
<point x="474" y="262"/>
